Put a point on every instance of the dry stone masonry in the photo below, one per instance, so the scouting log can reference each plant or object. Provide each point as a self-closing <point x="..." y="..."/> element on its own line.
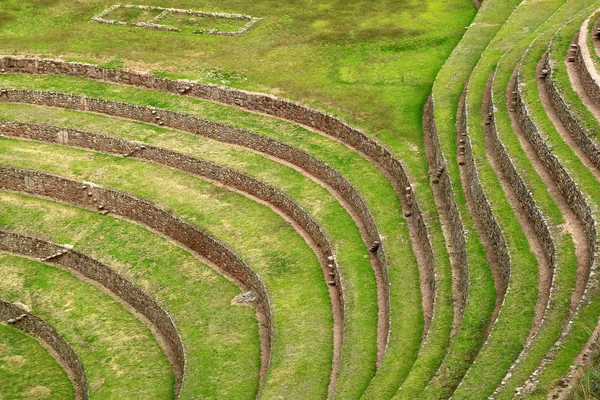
<point x="147" y="214"/>
<point x="226" y="176"/>
<point x="107" y="277"/>
<point x="227" y="134"/>
<point x="17" y="316"/>
<point x="166" y="12"/>
<point x="281" y="108"/>
<point x="447" y="206"/>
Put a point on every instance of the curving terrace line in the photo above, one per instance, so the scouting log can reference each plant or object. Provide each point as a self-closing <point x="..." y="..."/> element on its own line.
<point x="68" y="359"/>
<point x="574" y="198"/>
<point x="452" y="225"/>
<point x="548" y="289"/>
<point x="146" y="213"/>
<point x="102" y="274"/>
<point x="579" y="136"/>
<point x="588" y="75"/>
<point x="563" y="181"/>
<point x="573" y="129"/>
<point x="314" y="119"/>
<point x="530" y="217"/>
<point x="234" y="180"/>
<point x="481" y="210"/>
<point x="319" y="171"/>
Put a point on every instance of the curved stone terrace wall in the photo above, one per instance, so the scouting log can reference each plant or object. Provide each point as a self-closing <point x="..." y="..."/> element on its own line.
<point x="576" y="201"/>
<point x="110" y="279"/>
<point x="17" y="316"/>
<point x="495" y="244"/>
<point x="508" y="169"/>
<point x="447" y="206"/>
<point x="570" y="118"/>
<point x="319" y="120"/>
<point x="573" y="196"/>
<point x="237" y="136"/>
<point x="529" y="208"/>
<point x="226" y="176"/>
<point x="585" y="65"/>
<point x="145" y="213"/>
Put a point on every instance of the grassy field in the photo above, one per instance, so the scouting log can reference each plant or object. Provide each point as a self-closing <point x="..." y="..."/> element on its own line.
<point x="328" y="54"/>
<point x="586" y="319"/>
<point x="406" y="305"/>
<point x="360" y="296"/>
<point x="220" y="339"/>
<point x="372" y="64"/>
<point x="28" y="371"/>
<point x="291" y="273"/>
<point x="119" y="354"/>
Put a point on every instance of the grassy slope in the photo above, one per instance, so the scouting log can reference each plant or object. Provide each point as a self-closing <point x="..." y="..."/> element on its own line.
<point x="587" y="318"/>
<point x="328" y="54"/>
<point x="220" y="340"/>
<point x="302" y="320"/>
<point x="119" y="354"/>
<point x="514" y="321"/>
<point x="447" y="90"/>
<point x="406" y="303"/>
<point x="359" y="349"/>
<point x="566" y="267"/>
<point x="27" y="370"/>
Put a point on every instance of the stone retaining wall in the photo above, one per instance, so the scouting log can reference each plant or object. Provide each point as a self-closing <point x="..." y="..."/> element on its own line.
<point x="571" y="119"/>
<point x="559" y="174"/>
<point x="508" y="169"/>
<point x="145" y="213"/>
<point x="107" y="277"/>
<point x="447" y="206"/>
<point x="195" y="166"/>
<point x="495" y="244"/>
<point x="227" y="134"/>
<point x="528" y="206"/>
<point x="576" y="201"/>
<point x="48" y="335"/>
<point x="585" y="65"/>
<point x="263" y="103"/>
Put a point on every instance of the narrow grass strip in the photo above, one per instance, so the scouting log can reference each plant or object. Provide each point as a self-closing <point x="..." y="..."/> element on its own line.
<point x="27" y="369"/>
<point x="447" y="90"/>
<point x="119" y="354"/>
<point x="301" y="358"/>
<point x="220" y="339"/>
<point x="514" y="321"/>
<point x="372" y="184"/>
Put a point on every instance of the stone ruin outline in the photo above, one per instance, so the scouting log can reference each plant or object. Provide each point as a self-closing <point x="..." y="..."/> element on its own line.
<point x="166" y="12"/>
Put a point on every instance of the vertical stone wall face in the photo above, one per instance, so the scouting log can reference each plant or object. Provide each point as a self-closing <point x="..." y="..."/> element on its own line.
<point x="145" y="213"/>
<point x="513" y="177"/>
<point x="496" y="247"/>
<point x="559" y="174"/>
<point x="568" y="188"/>
<point x="227" y="134"/>
<point x="447" y="204"/>
<point x="223" y="175"/>
<point x="107" y="277"/>
<point x="263" y="103"/>
<point x="585" y="64"/>
<point x="48" y="335"/>
<point x="571" y="119"/>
